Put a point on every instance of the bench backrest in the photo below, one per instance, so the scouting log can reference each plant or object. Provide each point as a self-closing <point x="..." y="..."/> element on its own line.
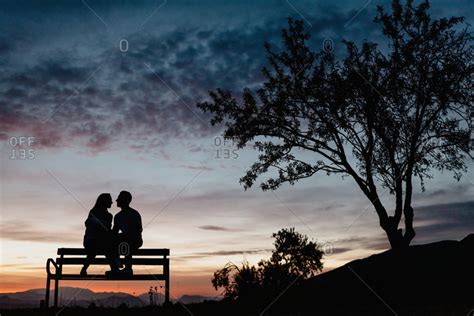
<point x="160" y="257"/>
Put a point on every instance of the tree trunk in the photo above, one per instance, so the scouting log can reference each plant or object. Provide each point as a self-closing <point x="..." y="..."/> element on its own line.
<point x="390" y="223"/>
<point x="407" y="209"/>
<point x="409" y="230"/>
<point x="394" y="234"/>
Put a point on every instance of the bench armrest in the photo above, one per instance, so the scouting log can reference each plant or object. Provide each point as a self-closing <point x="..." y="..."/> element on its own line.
<point x="48" y="267"/>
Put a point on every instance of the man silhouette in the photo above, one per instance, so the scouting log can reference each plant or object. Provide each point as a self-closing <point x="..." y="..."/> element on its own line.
<point x="127" y="229"/>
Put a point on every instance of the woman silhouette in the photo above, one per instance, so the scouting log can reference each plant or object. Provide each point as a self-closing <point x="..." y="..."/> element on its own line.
<point x="98" y="235"/>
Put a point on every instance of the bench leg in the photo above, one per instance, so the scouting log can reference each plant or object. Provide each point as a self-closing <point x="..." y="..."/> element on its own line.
<point x="46" y="298"/>
<point x="56" y="291"/>
<point x="166" y="272"/>
<point x="167" y="290"/>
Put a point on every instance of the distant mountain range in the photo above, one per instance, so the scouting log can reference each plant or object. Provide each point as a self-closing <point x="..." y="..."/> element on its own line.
<point x="74" y="296"/>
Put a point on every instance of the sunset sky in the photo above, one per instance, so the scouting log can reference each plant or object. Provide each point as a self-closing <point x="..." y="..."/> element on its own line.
<point x="106" y="94"/>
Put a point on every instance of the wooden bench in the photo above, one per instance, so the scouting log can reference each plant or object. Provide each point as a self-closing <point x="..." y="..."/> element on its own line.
<point x="77" y="256"/>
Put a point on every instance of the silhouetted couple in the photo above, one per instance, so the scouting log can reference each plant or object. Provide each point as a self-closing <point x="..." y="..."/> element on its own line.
<point x="123" y="238"/>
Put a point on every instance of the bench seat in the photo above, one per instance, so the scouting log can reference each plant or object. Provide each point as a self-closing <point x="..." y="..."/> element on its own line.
<point x="102" y="277"/>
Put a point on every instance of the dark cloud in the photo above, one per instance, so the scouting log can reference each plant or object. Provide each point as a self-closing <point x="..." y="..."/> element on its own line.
<point x="93" y="104"/>
<point x="378" y="242"/>
<point x="4" y="46"/>
<point x="460" y="190"/>
<point x="339" y="250"/>
<point x="24" y="231"/>
<point x="432" y="223"/>
<point x="75" y="88"/>
<point x="221" y="253"/>
<point x="444" y="221"/>
<point x="215" y="228"/>
<point x="191" y="167"/>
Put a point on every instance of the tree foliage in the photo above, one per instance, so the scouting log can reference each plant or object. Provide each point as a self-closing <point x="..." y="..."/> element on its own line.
<point x="294" y="258"/>
<point x="382" y="116"/>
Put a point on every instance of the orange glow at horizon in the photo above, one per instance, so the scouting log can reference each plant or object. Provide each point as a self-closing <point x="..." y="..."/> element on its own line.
<point x="179" y="286"/>
<point x="182" y="283"/>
